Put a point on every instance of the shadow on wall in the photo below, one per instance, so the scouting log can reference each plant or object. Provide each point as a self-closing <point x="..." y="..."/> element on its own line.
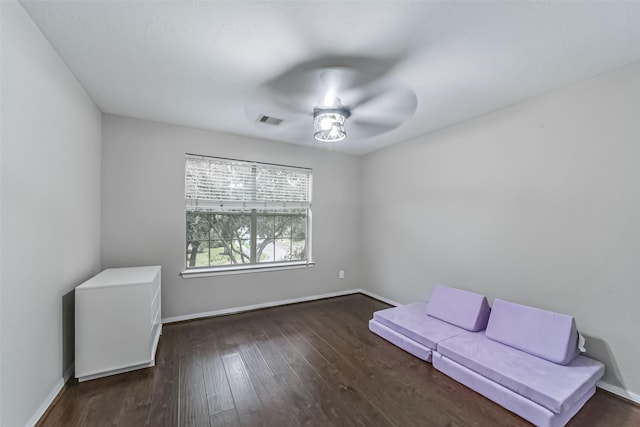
<point x="68" y="331"/>
<point x="598" y="349"/>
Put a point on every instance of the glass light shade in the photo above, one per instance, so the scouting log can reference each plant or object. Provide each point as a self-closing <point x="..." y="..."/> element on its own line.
<point x="328" y="125"/>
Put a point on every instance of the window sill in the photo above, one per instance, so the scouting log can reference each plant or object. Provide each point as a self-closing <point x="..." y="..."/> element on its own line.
<point x="223" y="271"/>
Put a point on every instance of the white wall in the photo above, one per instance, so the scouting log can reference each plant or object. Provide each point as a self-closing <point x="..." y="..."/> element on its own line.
<point x="538" y="203"/>
<point x="144" y="216"/>
<point x="50" y="219"/>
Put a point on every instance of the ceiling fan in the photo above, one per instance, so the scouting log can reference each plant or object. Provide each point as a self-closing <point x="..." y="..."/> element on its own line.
<point x="332" y="99"/>
<point x="330" y="115"/>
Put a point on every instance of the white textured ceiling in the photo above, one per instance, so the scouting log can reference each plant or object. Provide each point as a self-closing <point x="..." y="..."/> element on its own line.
<point x="196" y="63"/>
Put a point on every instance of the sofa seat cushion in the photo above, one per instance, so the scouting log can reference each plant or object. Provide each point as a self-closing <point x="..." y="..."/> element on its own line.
<point x="412" y="321"/>
<point x="553" y="386"/>
<point x="465" y="309"/>
<point x="402" y="341"/>
<point x="552" y="336"/>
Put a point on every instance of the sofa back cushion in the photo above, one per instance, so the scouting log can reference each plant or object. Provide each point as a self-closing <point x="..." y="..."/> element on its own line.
<point x="546" y="334"/>
<point x="465" y="309"/>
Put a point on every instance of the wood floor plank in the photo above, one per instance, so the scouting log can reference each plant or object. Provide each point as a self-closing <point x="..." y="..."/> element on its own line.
<point x="109" y="406"/>
<point x="217" y="388"/>
<point x="194" y="408"/>
<point x="228" y="418"/>
<point x="74" y="408"/>
<point x="136" y="408"/>
<point x="278" y="411"/>
<point x="166" y="381"/>
<point x="245" y="397"/>
<point x="313" y="364"/>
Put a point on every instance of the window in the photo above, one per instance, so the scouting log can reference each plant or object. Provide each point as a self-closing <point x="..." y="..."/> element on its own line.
<point x="242" y="214"/>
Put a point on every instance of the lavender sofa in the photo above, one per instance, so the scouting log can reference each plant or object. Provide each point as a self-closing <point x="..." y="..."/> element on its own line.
<point x="418" y="328"/>
<point x="527" y="360"/>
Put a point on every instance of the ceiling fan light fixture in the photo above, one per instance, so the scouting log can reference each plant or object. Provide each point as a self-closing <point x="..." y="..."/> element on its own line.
<point x="328" y="124"/>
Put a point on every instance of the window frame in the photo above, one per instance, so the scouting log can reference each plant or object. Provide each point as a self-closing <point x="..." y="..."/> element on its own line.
<point x="253" y="266"/>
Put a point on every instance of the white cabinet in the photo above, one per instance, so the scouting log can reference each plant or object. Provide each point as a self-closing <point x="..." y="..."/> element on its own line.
<point x="118" y="321"/>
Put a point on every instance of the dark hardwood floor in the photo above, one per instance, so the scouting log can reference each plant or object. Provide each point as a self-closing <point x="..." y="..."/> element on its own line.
<point x="313" y="363"/>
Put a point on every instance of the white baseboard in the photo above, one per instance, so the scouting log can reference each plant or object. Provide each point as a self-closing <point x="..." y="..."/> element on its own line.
<point x="46" y="403"/>
<point x="379" y="298"/>
<point x="235" y="310"/>
<point x="629" y="395"/>
<point x="57" y="388"/>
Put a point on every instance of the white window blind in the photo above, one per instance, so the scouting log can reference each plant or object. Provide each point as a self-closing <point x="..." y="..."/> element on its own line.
<point x="216" y="184"/>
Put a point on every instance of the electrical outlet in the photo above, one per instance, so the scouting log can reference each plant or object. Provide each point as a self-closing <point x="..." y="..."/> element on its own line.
<point x="341" y="274"/>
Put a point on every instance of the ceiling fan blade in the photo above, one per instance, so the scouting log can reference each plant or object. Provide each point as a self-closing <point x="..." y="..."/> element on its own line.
<point x="357" y="130"/>
<point x="291" y="105"/>
<point x="389" y="106"/>
<point x="331" y="86"/>
<point x="361" y="96"/>
<point x="273" y="104"/>
<point x="330" y="80"/>
<point x="302" y="130"/>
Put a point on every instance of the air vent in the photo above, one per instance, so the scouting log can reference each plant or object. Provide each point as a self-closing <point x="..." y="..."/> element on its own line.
<point x="268" y="120"/>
